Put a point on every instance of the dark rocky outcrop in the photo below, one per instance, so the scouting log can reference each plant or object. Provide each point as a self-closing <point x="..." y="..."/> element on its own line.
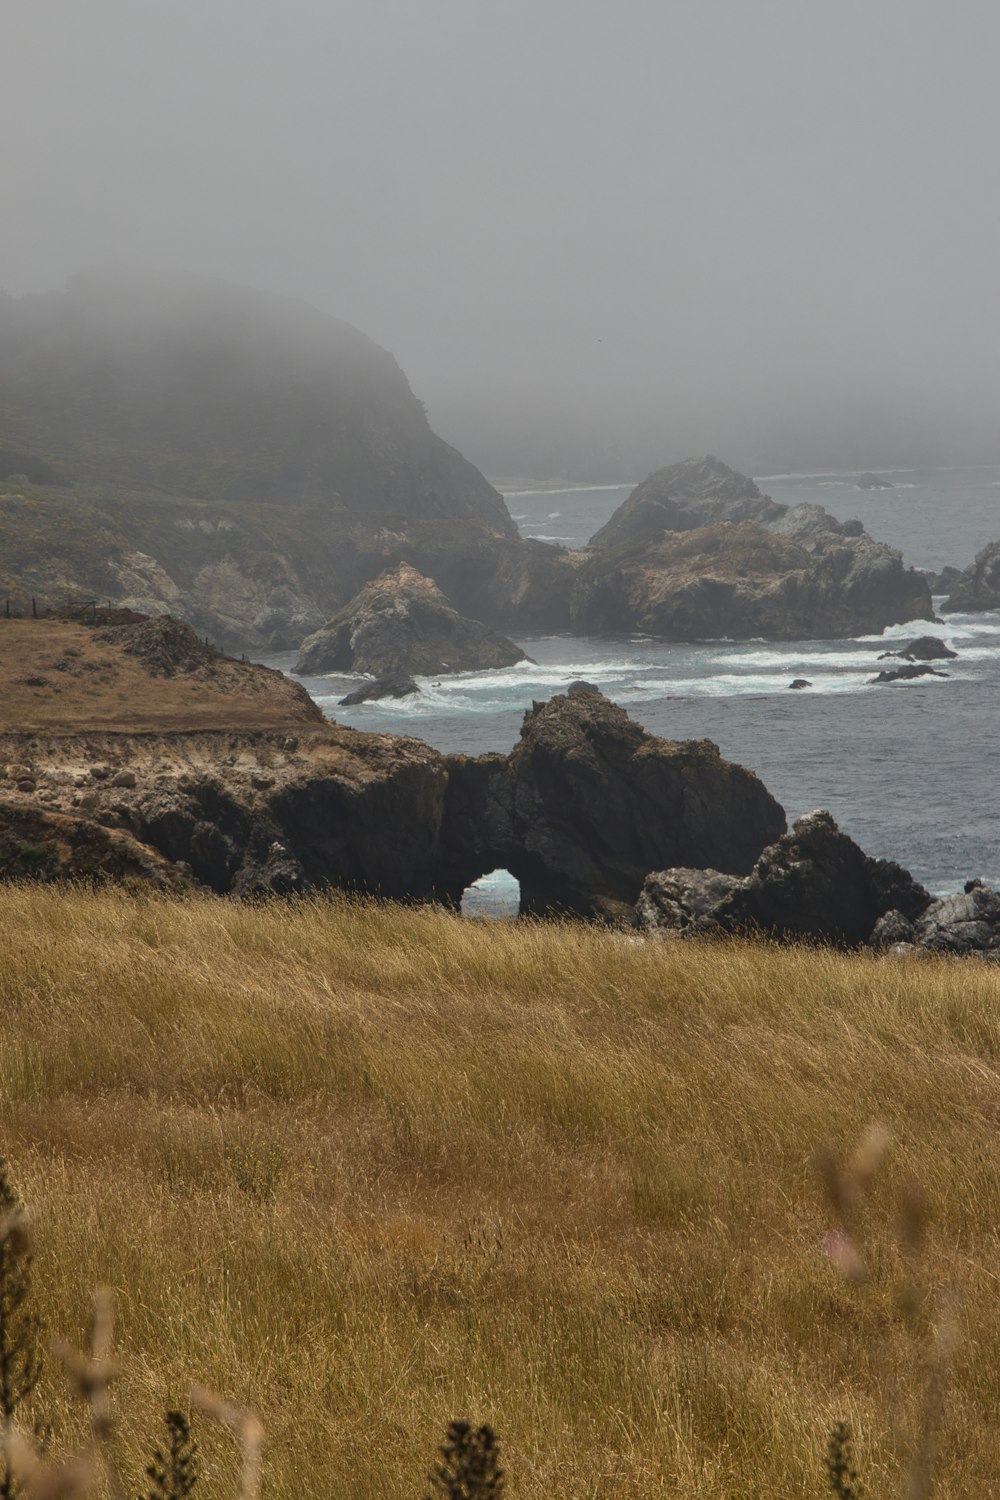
<point x="874" y="482"/>
<point x="697" y="551"/>
<point x="581" y="809"/>
<point x="800" y="682"/>
<point x="907" y="673"/>
<point x="978" y="588"/>
<point x="400" y="625"/>
<point x="382" y="687"/>
<point x="814" y="882"/>
<point x="924" y="648"/>
<point x="588" y="802"/>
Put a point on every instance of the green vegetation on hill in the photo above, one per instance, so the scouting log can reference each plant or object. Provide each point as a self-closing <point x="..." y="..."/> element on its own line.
<point x="363" y="1168"/>
<point x="215" y="392"/>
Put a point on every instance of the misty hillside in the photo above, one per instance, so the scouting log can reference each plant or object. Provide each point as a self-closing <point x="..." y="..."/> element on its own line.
<point x="218" y="393"/>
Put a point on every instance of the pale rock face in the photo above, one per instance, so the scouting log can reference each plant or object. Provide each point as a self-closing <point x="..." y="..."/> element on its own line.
<point x="401" y="625"/>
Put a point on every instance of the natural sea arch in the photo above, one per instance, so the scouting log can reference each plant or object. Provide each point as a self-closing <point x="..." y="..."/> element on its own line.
<point x="496" y="895"/>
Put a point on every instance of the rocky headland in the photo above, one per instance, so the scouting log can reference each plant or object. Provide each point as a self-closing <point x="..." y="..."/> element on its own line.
<point x="401" y="625"/>
<point x="247" y="789"/>
<point x="133" y="753"/>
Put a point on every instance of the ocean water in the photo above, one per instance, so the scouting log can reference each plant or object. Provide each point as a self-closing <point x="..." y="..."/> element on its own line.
<point x="908" y="769"/>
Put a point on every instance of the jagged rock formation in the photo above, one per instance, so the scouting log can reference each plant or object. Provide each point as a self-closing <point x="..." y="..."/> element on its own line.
<point x="698" y="551"/>
<point x="816" y="883"/>
<point x="401" y="625"/>
<point x="979" y="586"/>
<point x="967" y="923"/>
<point x="579" y="811"/>
<point x="588" y="802"/>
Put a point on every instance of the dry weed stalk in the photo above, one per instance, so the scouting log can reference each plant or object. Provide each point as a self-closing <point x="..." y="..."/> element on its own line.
<point x="928" y="1320"/>
<point x="42" y="1480"/>
<point x="90" y="1378"/>
<point x="248" y="1429"/>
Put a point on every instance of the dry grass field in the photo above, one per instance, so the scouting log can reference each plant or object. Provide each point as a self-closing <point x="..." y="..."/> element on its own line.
<point x="365" y="1169"/>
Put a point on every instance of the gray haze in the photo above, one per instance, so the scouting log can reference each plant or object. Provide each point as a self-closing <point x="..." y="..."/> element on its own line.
<point x="597" y="236"/>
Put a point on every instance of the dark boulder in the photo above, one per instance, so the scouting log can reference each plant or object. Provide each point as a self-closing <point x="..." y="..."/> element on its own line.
<point x="924" y="648"/>
<point x="906" y="674"/>
<point x="814" y="882"/>
<point x="874" y="482"/>
<point x="800" y="682"/>
<point x="382" y="687"/>
<point x="401" y="625"/>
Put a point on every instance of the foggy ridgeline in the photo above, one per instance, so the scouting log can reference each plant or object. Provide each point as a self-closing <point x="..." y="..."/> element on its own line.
<point x="241" y="460"/>
<point x="164" y="431"/>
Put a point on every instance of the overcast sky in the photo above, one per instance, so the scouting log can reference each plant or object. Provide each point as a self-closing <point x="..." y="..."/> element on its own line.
<point x="765" y="228"/>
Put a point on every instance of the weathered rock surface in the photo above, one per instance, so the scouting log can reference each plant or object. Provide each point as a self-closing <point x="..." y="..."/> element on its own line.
<point x="697" y="551"/>
<point x="966" y="923"/>
<point x="588" y="802"/>
<point x="579" y="811"/>
<point x="979" y="586"/>
<point x="401" y="625"/>
<point x="816" y="883"/>
<point x="800" y="682"/>
<point x="685" y="496"/>
<point x="874" y="482"/>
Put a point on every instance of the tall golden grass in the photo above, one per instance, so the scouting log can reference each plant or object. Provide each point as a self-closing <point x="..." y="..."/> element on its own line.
<point x="364" y="1168"/>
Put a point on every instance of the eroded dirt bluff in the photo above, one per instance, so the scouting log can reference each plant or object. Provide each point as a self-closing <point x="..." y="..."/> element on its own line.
<point x="581" y="810"/>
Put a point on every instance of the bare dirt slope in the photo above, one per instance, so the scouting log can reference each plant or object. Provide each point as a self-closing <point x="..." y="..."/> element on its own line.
<point x="61" y="677"/>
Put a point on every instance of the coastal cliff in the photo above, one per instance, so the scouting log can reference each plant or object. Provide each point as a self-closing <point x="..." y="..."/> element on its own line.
<point x="231" y="779"/>
<point x="176" y="445"/>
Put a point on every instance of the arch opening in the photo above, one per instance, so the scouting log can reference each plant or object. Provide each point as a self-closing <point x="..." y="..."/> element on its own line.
<point x="495" y="897"/>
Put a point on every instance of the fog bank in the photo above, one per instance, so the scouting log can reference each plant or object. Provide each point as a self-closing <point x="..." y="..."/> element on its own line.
<point x="597" y="238"/>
